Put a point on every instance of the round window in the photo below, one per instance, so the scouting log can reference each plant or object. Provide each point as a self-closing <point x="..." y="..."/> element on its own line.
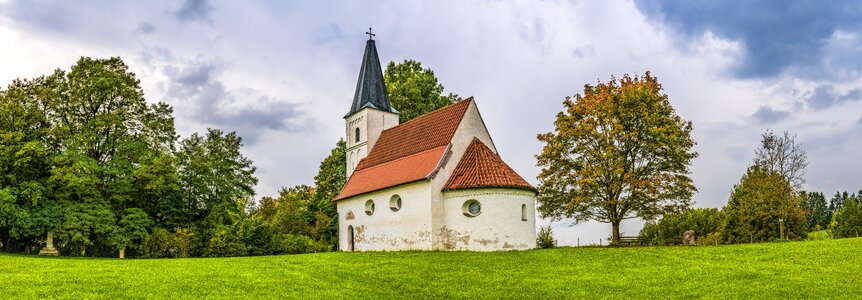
<point x="472" y="208"/>
<point x="395" y="203"/>
<point x="369" y="207"/>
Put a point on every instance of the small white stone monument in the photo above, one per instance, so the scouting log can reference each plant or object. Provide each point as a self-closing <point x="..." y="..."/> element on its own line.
<point x="49" y="249"/>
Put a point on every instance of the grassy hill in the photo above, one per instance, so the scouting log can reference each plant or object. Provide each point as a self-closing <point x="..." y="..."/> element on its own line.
<point x="812" y="269"/>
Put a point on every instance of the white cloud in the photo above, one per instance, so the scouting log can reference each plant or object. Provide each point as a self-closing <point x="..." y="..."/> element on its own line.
<point x="519" y="59"/>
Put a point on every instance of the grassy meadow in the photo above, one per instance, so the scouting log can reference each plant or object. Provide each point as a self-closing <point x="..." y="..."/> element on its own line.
<point x="810" y="269"/>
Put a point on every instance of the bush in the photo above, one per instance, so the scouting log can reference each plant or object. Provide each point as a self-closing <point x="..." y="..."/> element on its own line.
<point x="162" y="243"/>
<point x="711" y="239"/>
<point x="704" y="221"/>
<point x="546" y="238"/>
<point x="294" y="244"/>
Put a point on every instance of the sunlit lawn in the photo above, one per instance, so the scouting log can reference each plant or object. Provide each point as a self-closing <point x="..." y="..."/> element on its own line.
<point x="811" y="269"/>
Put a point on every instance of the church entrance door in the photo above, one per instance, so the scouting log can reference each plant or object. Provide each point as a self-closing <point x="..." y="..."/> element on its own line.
<point x="350" y="238"/>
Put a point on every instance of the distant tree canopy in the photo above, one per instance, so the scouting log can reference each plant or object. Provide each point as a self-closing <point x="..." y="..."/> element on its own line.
<point x="757" y="205"/>
<point x="414" y="90"/>
<point x="847" y="220"/>
<point x="781" y="154"/>
<point x="618" y="151"/>
<point x="817" y="213"/>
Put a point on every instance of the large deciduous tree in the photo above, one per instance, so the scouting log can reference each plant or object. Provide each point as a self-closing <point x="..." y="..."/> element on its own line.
<point x="618" y="151"/>
<point x="24" y="163"/>
<point x="758" y="205"/>
<point x="781" y="154"/>
<point x="414" y="90"/>
<point x="213" y="175"/>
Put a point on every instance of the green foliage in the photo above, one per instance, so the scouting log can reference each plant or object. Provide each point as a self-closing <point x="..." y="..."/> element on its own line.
<point x="414" y="90"/>
<point x="618" y="151"/>
<point x="819" y="234"/>
<point x="817" y="213"/>
<point x="847" y="222"/>
<point x="704" y="221"/>
<point x="809" y="270"/>
<point x="711" y="239"/>
<point x="132" y="229"/>
<point x="756" y="206"/>
<point x="162" y="244"/>
<point x="545" y="238"/>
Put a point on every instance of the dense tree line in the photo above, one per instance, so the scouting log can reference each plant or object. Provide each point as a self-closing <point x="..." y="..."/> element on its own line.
<point x="767" y="204"/>
<point x="84" y="156"/>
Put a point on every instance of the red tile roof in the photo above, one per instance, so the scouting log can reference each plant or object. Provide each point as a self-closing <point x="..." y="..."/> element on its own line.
<point x="406" y="153"/>
<point x="482" y="168"/>
<point x="425" y="132"/>
<point x="400" y="171"/>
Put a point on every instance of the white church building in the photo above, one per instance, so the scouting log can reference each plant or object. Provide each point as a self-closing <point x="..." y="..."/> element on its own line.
<point x="435" y="182"/>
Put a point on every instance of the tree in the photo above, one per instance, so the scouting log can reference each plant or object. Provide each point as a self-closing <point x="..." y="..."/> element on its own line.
<point x="817" y="212"/>
<point x="414" y="90"/>
<point x="617" y="152"/>
<point x="132" y="230"/>
<point x="758" y="204"/>
<point x="781" y="154"/>
<point x="847" y="222"/>
<point x="213" y="175"/>
<point x="24" y="163"/>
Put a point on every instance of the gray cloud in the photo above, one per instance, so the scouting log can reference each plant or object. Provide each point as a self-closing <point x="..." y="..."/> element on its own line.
<point x="824" y="96"/>
<point x="775" y="35"/>
<point x="768" y="115"/>
<point x="146" y="28"/>
<point x="243" y="110"/>
<point x="194" y="10"/>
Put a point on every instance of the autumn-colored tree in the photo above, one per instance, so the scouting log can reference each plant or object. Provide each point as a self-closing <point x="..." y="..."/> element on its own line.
<point x="759" y="204"/>
<point x="617" y="152"/>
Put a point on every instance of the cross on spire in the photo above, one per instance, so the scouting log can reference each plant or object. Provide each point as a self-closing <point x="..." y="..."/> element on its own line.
<point x="370" y="35"/>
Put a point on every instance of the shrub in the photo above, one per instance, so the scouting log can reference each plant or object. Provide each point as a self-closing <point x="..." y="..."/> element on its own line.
<point x="546" y="238"/>
<point x="712" y="239"/>
<point x="704" y="221"/>
<point x="162" y="243"/>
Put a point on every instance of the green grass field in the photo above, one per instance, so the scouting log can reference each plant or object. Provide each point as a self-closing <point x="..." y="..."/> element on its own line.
<point x="811" y="269"/>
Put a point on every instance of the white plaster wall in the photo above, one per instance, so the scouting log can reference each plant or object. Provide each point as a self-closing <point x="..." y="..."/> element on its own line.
<point x="471" y="126"/>
<point x="499" y="226"/>
<point x="406" y="229"/>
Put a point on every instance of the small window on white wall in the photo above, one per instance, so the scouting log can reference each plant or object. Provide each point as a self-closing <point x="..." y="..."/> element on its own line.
<point x="395" y="203"/>
<point x="472" y="208"/>
<point x="369" y="207"/>
<point x="523" y="212"/>
<point x="356" y="135"/>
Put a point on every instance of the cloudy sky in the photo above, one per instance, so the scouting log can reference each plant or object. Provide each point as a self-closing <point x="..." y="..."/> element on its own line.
<point x="282" y="73"/>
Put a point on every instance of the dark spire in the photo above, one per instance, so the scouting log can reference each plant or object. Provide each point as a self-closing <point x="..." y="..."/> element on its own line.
<point x="370" y="88"/>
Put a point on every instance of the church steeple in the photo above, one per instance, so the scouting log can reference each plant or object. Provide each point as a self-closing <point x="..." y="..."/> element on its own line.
<point x="370" y="88"/>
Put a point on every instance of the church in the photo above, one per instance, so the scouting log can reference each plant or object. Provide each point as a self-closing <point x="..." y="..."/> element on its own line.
<point x="435" y="182"/>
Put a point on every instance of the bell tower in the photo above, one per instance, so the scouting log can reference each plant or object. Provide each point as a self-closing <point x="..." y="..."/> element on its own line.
<point x="370" y="114"/>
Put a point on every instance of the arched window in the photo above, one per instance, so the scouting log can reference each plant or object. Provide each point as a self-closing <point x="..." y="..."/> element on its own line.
<point x="395" y="203"/>
<point x="369" y="207"/>
<point x="356" y="138"/>
<point x="523" y="212"/>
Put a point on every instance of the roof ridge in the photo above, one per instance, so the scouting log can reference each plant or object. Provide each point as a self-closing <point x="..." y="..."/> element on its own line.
<point x="467" y="100"/>
<point x="400" y="158"/>
<point x="481" y="167"/>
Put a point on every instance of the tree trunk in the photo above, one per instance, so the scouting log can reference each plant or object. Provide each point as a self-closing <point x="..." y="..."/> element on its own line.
<point x="615" y="238"/>
<point x="83" y="250"/>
